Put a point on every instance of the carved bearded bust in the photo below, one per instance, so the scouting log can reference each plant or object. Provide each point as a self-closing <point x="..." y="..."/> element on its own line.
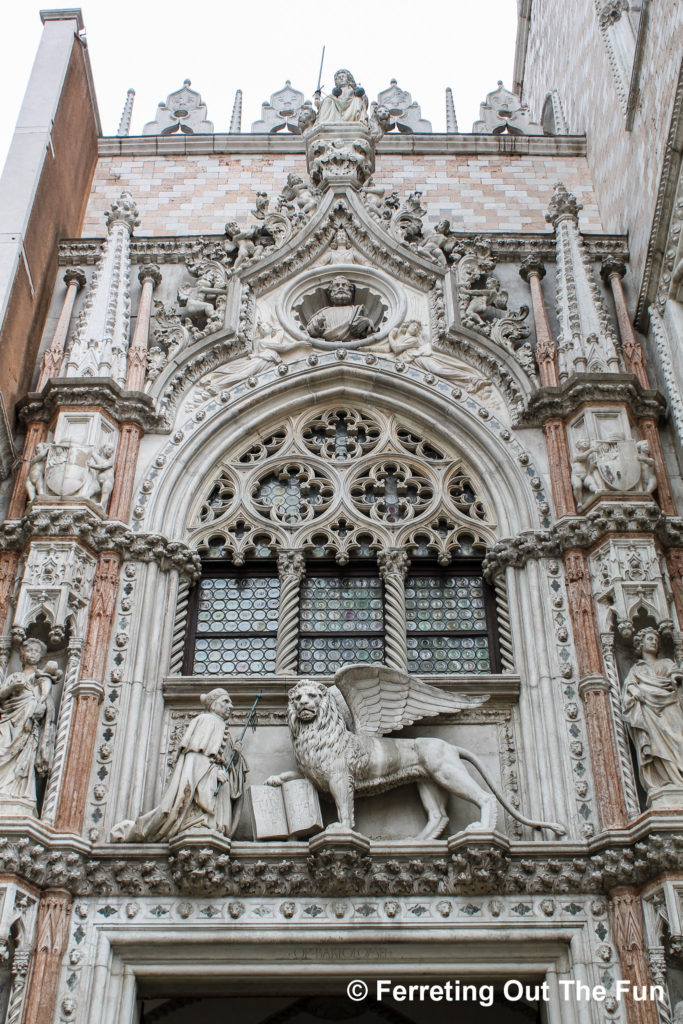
<point x="341" y="320"/>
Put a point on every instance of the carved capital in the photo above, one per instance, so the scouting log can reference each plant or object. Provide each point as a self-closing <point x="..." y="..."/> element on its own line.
<point x="562" y="206"/>
<point x="74" y="275"/>
<point x="532" y="266"/>
<point x="149" y="272"/>
<point x="89" y="688"/>
<point x="393" y="562"/>
<point x="611" y="266"/>
<point x="593" y="684"/>
<point x="291" y="563"/>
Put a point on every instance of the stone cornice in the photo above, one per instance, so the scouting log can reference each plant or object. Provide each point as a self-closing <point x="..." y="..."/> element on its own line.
<point x="70" y="523"/>
<point x="61" y="392"/>
<point x="464" y="865"/>
<point x="433" y="143"/>
<point x="584" y="532"/>
<point x="505" y="247"/>
<point x="560" y="402"/>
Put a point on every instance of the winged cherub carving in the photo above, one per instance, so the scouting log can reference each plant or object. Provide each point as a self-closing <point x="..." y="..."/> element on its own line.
<point x="340" y="746"/>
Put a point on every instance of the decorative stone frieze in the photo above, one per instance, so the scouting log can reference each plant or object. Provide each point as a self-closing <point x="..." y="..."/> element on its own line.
<point x="98" y="536"/>
<point x="490" y="865"/>
<point x="281" y="112"/>
<point x="505" y="247"/>
<point x="102" y="393"/>
<point x="584" y="532"/>
<point x="405" y="113"/>
<point x="624" y="389"/>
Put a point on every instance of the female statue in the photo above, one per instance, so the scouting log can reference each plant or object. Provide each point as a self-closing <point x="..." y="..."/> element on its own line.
<point x="27" y="715"/>
<point x="206" y="787"/>
<point x="348" y="102"/>
<point x="651" y="705"/>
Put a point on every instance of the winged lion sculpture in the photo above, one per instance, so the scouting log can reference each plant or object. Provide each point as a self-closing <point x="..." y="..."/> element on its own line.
<point x="340" y="744"/>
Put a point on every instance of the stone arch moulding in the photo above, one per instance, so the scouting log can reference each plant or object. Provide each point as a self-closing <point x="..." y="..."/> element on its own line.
<point x="169" y="481"/>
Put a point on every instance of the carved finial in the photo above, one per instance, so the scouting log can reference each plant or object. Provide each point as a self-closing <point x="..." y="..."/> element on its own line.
<point x="124" y="123"/>
<point x="563" y="204"/>
<point x="123" y="210"/>
<point x="532" y="265"/>
<point x="451" y="119"/>
<point x="611" y="265"/>
<point x="236" y="119"/>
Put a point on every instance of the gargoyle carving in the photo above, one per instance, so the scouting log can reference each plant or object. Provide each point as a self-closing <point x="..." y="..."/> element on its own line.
<point x="340" y="746"/>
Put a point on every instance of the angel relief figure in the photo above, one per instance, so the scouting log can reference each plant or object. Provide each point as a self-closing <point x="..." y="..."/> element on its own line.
<point x="269" y="346"/>
<point x="340" y="745"/>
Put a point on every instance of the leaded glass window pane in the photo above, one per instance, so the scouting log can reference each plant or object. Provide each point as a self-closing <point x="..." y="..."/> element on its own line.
<point x="446" y="621"/>
<point x="341" y="622"/>
<point x="236" y="625"/>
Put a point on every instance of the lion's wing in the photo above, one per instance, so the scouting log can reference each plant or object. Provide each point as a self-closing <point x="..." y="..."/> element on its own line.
<point x="382" y="699"/>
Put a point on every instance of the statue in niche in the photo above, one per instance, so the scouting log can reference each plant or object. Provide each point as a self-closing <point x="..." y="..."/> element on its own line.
<point x="342" y="761"/>
<point x="205" y="789"/>
<point x="652" y="709"/>
<point x="341" y="320"/>
<point x="27" y="718"/>
<point x="347" y="102"/>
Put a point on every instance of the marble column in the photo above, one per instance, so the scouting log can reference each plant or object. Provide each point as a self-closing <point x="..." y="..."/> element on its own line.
<point x="532" y="271"/>
<point x="9" y="561"/>
<point x="88" y="693"/>
<point x="52" y="931"/>
<point x="149" y="277"/>
<point x="559" y="465"/>
<point x="126" y="464"/>
<point x="594" y="691"/>
<point x="612" y="271"/>
<point x="628" y="929"/>
<point x="74" y="278"/>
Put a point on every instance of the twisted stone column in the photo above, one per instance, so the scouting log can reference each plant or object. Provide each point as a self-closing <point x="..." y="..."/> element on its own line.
<point x="88" y="694"/>
<point x="393" y="565"/>
<point x="532" y="271"/>
<point x="52" y="932"/>
<point x="594" y="692"/>
<point x="63" y="725"/>
<point x="149" y="277"/>
<point x="20" y="965"/>
<point x="75" y="279"/>
<point x="291" y="566"/>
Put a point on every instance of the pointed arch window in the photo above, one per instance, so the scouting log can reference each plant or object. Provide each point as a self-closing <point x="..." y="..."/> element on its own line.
<point x="344" y="536"/>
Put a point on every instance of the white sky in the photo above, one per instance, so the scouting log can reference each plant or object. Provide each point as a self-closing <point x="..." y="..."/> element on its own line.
<point x="255" y="45"/>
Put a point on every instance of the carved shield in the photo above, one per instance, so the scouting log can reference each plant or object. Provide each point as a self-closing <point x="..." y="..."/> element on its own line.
<point x="618" y="465"/>
<point x="66" y="468"/>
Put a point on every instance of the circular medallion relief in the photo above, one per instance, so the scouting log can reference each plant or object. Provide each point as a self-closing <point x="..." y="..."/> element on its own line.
<point x="341" y="306"/>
